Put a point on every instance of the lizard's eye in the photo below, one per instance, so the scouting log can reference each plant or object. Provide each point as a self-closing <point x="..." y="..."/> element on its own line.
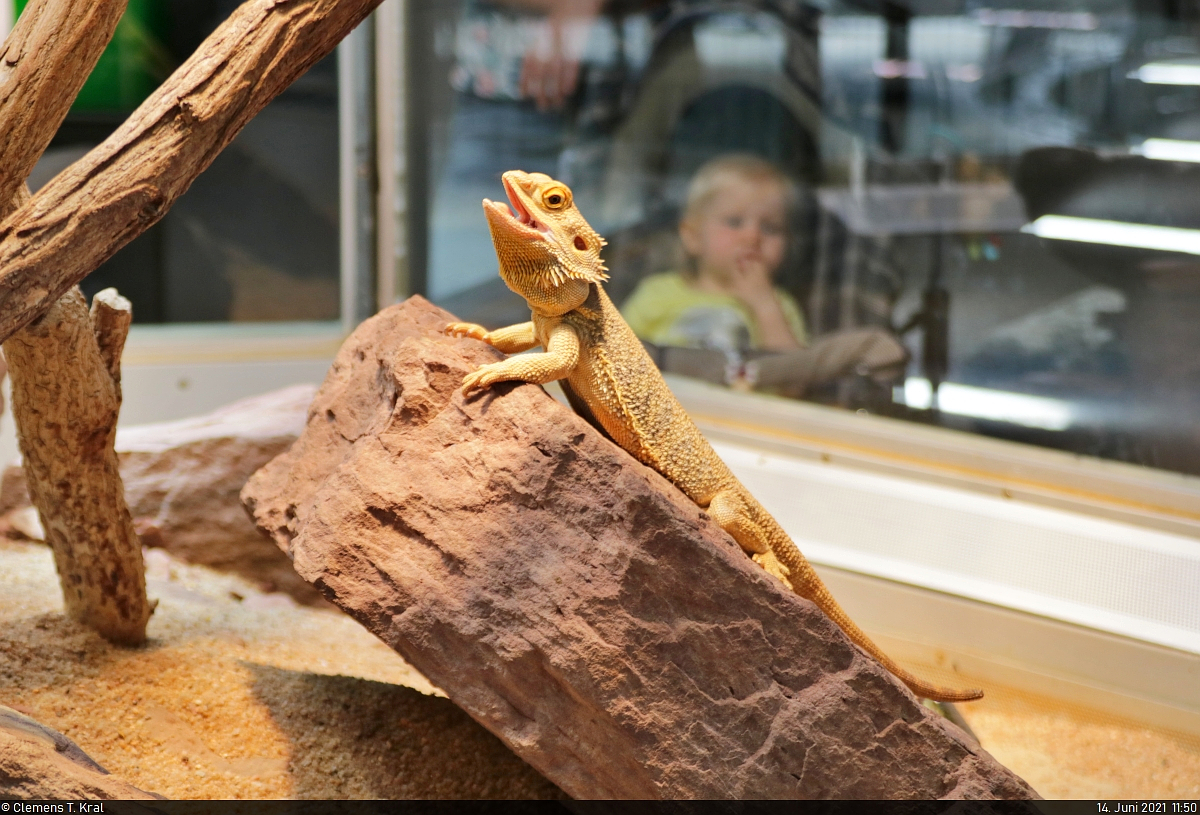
<point x="556" y="197"/>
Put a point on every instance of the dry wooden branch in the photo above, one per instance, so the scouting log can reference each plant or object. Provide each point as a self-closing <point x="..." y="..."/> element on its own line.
<point x="126" y="184"/>
<point x="65" y="403"/>
<point x="66" y="388"/>
<point x="44" y="62"/>
<point x="111" y="316"/>
<point x="66" y="372"/>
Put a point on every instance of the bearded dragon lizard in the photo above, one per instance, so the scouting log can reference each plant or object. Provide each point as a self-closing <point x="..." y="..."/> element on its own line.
<point x="550" y="256"/>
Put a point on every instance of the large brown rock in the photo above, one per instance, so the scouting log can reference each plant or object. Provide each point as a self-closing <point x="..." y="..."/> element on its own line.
<point x="182" y="481"/>
<point x="39" y="763"/>
<point x="574" y="602"/>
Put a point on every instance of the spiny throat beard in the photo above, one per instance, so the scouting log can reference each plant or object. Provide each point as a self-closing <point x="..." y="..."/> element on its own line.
<point x="532" y="275"/>
<point x="525" y="262"/>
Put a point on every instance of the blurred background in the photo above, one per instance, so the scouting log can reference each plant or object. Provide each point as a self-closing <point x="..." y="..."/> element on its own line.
<point x="958" y="163"/>
<point x="959" y="168"/>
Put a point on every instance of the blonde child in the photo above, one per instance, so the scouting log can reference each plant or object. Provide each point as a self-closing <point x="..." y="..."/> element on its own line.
<point x="734" y="236"/>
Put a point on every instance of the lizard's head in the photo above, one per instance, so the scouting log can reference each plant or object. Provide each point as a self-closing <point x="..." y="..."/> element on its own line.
<point x="548" y="253"/>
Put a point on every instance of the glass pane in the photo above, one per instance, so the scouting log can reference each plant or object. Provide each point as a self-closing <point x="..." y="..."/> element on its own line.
<point x="256" y="236"/>
<point x="974" y="216"/>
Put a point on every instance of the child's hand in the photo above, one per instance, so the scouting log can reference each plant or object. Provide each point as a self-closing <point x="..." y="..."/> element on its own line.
<point x="751" y="283"/>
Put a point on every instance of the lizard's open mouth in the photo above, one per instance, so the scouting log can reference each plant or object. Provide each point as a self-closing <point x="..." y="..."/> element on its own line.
<point x="520" y="213"/>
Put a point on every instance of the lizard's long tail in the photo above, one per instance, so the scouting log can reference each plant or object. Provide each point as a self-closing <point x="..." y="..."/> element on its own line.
<point x="807" y="584"/>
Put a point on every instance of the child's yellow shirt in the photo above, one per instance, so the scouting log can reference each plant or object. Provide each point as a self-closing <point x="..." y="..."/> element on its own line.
<point x="667" y="310"/>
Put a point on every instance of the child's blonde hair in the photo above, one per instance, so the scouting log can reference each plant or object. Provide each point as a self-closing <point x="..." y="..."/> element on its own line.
<point x="716" y="173"/>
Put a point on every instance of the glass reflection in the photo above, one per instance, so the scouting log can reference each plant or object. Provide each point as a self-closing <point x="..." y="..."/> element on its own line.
<point x="985" y="212"/>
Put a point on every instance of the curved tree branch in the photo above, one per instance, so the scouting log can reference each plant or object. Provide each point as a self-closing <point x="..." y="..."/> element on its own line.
<point x="128" y="182"/>
<point x="66" y="392"/>
<point x="43" y="64"/>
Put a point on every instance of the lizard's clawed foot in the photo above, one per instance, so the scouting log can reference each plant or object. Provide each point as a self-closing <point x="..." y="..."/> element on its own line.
<point x="482" y="377"/>
<point x="773" y="567"/>
<point x="472" y="330"/>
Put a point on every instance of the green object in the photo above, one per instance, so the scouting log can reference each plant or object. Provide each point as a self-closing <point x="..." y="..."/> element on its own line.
<point x="134" y="63"/>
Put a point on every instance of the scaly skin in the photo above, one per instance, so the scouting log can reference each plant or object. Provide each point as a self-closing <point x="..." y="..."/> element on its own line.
<point x="551" y="256"/>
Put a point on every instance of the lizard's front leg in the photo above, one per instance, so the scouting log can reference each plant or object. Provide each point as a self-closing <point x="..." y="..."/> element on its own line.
<point x="556" y="362"/>
<point x="511" y="340"/>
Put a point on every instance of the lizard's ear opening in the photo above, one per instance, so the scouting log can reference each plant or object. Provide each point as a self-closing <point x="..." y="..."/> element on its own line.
<point x="580" y="244"/>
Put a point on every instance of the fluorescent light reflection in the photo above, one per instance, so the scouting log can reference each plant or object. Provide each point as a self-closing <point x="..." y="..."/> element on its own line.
<point x="1023" y="18"/>
<point x="1168" y="73"/>
<point x="1169" y="150"/>
<point x="985" y="403"/>
<point x="1116" y="233"/>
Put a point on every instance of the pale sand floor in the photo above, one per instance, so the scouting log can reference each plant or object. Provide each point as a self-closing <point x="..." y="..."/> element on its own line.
<point x="258" y="698"/>
<point x="241" y="698"/>
<point x="1074" y="752"/>
<point x="1077" y="753"/>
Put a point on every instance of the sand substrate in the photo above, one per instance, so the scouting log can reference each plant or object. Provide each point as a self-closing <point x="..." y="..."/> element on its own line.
<point x="244" y="695"/>
<point x="1076" y="753"/>
<point x="240" y="694"/>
